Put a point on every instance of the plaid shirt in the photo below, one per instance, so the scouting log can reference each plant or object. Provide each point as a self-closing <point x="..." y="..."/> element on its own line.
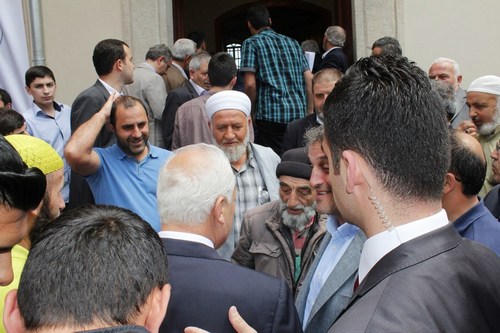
<point x="279" y="65"/>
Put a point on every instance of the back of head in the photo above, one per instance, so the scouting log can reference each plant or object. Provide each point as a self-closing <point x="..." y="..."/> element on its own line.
<point x="10" y="120"/>
<point x="310" y="45"/>
<point x="37" y="72"/>
<point x="160" y="50"/>
<point x="327" y="75"/>
<point x="335" y="35"/>
<point x="106" y="53"/>
<point x="93" y="265"/>
<point x="467" y="163"/>
<point x="388" y="45"/>
<point x="5" y="97"/>
<point x="198" y="37"/>
<point x="183" y="47"/>
<point x="385" y="110"/>
<point x="258" y="16"/>
<point x="221" y="69"/>
<point x="198" y="59"/>
<point x="190" y="183"/>
<point x="20" y="187"/>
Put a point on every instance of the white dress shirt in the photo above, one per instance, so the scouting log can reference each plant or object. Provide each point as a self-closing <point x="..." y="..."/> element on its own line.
<point x="186" y="236"/>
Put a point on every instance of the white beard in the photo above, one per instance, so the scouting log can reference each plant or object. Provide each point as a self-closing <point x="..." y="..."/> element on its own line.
<point x="297" y="222"/>
<point x="235" y="153"/>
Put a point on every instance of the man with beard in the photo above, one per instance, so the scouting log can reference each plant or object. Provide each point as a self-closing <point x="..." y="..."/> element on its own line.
<point x="124" y="174"/>
<point x="483" y="98"/>
<point x="281" y="237"/>
<point x="35" y="153"/>
<point x="323" y="83"/>
<point x="253" y="165"/>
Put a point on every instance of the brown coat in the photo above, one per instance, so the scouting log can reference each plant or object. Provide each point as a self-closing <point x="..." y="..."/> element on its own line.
<point x="266" y="244"/>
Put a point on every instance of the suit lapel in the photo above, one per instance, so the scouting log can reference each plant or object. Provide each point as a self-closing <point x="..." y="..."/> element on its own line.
<point x="343" y="271"/>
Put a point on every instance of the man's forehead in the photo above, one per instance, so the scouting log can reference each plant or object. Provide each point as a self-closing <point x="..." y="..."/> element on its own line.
<point x="233" y="114"/>
<point x="477" y="95"/>
<point x="293" y="181"/>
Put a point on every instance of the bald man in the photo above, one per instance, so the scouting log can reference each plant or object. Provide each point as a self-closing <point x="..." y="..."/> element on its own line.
<point x="462" y="184"/>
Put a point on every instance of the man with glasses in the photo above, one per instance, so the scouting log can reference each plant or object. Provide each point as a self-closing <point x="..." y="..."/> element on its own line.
<point x="281" y="237"/>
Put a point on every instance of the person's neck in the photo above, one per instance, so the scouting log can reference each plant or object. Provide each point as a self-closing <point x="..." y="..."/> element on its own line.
<point x="460" y="206"/>
<point x="215" y="89"/>
<point x="113" y="81"/>
<point x="153" y="64"/>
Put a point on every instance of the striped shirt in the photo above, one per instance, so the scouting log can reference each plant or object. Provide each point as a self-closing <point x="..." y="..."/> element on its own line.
<point x="279" y="65"/>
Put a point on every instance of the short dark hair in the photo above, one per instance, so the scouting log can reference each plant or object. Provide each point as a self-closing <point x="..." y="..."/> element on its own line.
<point x="467" y="167"/>
<point x="387" y="45"/>
<point x="20" y="187"/>
<point x="127" y="102"/>
<point x="221" y="69"/>
<point x="258" y="16"/>
<point x="106" y="53"/>
<point x="10" y="120"/>
<point x="37" y="72"/>
<point x="198" y="37"/>
<point x="385" y="109"/>
<point x="92" y="264"/>
<point x="5" y="96"/>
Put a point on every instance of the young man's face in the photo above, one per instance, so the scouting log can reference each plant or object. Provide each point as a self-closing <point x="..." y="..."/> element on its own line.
<point x="43" y="91"/>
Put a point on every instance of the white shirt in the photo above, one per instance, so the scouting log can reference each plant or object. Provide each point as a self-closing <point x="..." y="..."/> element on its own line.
<point x="109" y="88"/>
<point x="198" y="89"/>
<point x="382" y="243"/>
<point x="324" y="54"/>
<point x="186" y="236"/>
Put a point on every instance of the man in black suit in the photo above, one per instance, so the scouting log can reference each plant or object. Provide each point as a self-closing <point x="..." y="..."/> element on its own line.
<point x="112" y="60"/>
<point x="196" y="200"/>
<point x="322" y="84"/>
<point x="334" y="57"/>
<point x="388" y="150"/>
<point x="197" y="85"/>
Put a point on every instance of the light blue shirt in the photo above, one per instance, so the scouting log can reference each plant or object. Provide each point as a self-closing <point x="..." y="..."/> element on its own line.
<point x="56" y="131"/>
<point x="124" y="182"/>
<point x="342" y="236"/>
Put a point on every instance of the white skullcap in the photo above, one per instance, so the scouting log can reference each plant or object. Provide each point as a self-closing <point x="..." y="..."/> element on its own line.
<point x="228" y="100"/>
<point x="489" y="84"/>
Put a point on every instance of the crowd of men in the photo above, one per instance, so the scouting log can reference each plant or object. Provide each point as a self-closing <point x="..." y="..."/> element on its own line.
<point x="321" y="197"/>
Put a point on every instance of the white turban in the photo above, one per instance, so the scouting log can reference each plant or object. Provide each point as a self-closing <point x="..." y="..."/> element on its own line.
<point x="489" y="84"/>
<point x="228" y="100"/>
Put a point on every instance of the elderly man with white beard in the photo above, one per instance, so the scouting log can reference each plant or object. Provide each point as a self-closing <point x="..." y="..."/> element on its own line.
<point x="483" y="99"/>
<point x="281" y="237"/>
<point x="253" y="165"/>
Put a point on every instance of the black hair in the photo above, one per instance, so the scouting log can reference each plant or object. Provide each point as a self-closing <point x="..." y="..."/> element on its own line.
<point x="221" y="69"/>
<point x="36" y="72"/>
<point x="385" y="109"/>
<point x="93" y="264"/>
<point x="5" y="96"/>
<point x="258" y="16"/>
<point x="106" y="53"/>
<point x="127" y="102"/>
<point x="198" y="37"/>
<point x="10" y="120"/>
<point x="387" y="45"/>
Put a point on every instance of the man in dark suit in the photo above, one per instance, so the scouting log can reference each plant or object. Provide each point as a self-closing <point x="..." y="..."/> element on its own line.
<point x="416" y="273"/>
<point x="322" y="84"/>
<point x="197" y="85"/>
<point x="196" y="200"/>
<point x="334" y="57"/>
<point x="113" y="63"/>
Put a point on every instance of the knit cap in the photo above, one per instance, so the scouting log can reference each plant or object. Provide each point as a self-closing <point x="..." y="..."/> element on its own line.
<point x="295" y="163"/>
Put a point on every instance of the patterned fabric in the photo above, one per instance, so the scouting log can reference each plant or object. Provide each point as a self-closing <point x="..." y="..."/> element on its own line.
<point x="279" y="65"/>
<point x="251" y="190"/>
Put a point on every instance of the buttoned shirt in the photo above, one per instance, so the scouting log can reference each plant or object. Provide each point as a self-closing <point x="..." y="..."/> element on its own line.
<point x="377" y="246"/>
<point x="279" y="65"/>
<point x="342" y="236"/>
<point x="55" y="130"/>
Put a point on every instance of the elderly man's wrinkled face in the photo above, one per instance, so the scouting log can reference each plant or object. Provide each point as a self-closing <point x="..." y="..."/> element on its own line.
<point x="445" y="72"/>
<point x="298" y="203"/>
<point x="483" y="111"/>
<point x="230" y="131"/>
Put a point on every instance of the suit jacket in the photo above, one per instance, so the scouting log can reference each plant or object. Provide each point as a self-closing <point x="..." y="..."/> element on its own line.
<point x="335" y="59"/>
<point x="438" y="282"/>
<point x="86" y="104"/>
<point x="295" y="130"/>
<point x="337" y="290"/>
<point x="205" y="286"/>
<point x="175" y="98"/>
<point x="174" y="79"/>
<point x="462" y="112"/>
<point x="492" y="201"/>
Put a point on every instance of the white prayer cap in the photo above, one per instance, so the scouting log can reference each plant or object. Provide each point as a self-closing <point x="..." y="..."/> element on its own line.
<point x="489" y="84"/>
<point x="228" y="100"/>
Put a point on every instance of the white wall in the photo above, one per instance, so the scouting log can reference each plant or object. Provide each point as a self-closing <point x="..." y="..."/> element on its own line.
<point x="466" y="31"/>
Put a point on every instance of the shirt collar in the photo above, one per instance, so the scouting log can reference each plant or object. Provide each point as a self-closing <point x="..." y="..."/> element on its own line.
<point x="335" y="47"/>
<point x="120" y="154"/>
<point x="181" y="69"/>
<point x="198" y="89"/>
<point x="186" y="236"/>
<point x="377" y="246"/>
<point x="109" y="88"/>
<point x="36" y="109"/>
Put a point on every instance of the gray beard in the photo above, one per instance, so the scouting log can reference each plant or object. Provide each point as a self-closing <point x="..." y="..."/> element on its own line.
<point x="235" y="153"/>
<point x="297" y="222"/>
<point x="488" y="128"/>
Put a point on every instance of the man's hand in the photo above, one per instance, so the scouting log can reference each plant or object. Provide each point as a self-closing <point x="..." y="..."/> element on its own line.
<point x="468" y="127"/>
<point x="106" y="108"/>
<point x="239" y="324"/>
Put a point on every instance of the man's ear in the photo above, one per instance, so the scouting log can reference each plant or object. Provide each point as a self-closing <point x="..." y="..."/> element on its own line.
<point x="449" y="183"/>
<point x="218" y="210"/>
<point x="353" y="175"/>
<point x="459" y="79"/>
<point x="158" y="308"/>
<point x="12" y="319"/>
